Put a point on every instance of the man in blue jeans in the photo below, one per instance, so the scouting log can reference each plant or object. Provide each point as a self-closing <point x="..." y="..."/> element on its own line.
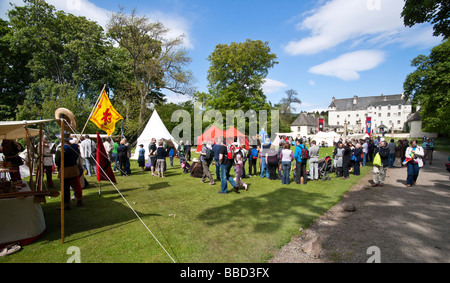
<point x="225" y="167"/>
<point x="215" y="149"/>
<point x="264" y="165"/>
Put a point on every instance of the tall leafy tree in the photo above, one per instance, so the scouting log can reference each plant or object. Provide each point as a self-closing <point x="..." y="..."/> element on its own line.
<point x="429" y="87"/>
<point x="156" y="63"/>
<point x="67" y="57"/>
<point x="286" y="106"/>
<point x="15" y="76"/>
<point x="437" y="12"/>
<point x="236" y="76"/>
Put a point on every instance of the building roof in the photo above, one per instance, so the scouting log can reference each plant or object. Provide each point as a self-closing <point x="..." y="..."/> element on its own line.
<point x="306" y="120"/>
<point x="414" y="117"/>
<point x="362" y="103"/>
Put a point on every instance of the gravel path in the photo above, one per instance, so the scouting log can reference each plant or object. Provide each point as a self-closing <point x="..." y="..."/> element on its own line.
<point x="391" y="224"/>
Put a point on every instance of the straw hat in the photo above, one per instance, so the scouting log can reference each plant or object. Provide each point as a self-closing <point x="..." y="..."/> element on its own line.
<point x="68" y="116"/>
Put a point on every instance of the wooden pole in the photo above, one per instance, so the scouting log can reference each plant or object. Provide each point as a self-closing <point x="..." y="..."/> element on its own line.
<point x="93" y="109"/>
<point x="41" y="157"/>
<point x="30" y="163"/>
<point x="62" y="178"/>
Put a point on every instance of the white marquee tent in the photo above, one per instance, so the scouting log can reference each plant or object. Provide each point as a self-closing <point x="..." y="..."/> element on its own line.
<point x="327" y="137"/>
<point x="155" y="129"/>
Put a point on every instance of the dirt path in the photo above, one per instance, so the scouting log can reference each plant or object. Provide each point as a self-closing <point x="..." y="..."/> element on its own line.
<point x="400" y="224"/>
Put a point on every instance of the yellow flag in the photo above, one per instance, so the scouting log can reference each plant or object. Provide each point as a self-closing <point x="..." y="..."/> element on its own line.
<point x="105" y="116"/>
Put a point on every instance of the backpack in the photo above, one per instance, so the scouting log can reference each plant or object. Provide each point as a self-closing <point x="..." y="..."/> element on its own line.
<point x="254" y="153"/>
<point x="305" y="153"/>
<point x="209" y="154"/>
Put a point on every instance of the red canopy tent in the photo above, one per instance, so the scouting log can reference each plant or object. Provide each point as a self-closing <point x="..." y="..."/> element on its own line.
<point x="231" y="135"/>
<point x="209" y="135"/>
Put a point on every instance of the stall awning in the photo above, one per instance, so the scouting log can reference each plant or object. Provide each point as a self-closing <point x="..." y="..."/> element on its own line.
<point x="14" y="129"/>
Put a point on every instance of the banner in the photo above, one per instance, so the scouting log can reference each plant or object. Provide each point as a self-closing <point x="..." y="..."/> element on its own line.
<point x="369" y="125"/>
<point x="321" y="125"/>
<point x="105" y="116"/>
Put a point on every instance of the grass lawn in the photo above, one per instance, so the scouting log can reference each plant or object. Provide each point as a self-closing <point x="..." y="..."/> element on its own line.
<point x="248" y="227"/>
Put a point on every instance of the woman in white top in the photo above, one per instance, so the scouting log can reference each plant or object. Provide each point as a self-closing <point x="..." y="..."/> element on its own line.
<point x="286" y="157"/>
<point x="414" y="155"/>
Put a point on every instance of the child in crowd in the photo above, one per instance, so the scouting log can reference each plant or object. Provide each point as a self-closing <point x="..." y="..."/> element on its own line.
<point x="239" y="170"/>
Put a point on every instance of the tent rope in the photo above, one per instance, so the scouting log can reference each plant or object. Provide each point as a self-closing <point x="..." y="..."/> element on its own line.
<point x="126" y="201"/>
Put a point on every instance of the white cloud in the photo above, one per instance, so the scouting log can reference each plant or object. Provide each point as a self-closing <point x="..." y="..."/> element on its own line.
<point x="82" y="8"/>
<point x="354" y="22"/>
<point x="177" y="25"/>
<point x="176" y="98"/>
<point x="312" y="83"/>
<point x="347" y="66"/>
<point x="272" y="86"/>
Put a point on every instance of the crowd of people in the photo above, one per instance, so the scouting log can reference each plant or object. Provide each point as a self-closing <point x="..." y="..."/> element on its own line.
<point x="266" y="160"/>
<point x="277" y="163"/>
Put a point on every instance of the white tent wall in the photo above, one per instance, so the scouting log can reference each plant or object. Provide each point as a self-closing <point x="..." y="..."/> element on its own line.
<point x="328" y="137"/>
<point x="155" y="128"/>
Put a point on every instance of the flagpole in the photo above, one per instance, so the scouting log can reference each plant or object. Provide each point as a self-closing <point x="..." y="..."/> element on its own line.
<point x="93" y="109"/>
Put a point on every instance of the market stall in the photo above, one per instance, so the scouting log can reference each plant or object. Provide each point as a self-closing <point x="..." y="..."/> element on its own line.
<point x="22" y="219"/>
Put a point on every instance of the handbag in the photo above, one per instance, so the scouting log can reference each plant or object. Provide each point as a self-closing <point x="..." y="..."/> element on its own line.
<point x="377" y="160"/>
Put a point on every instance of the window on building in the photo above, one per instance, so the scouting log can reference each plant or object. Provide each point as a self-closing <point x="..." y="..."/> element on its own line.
<point x="379" y="107"/>
<point x="398" y="122"/>
<point x="337" y="123"/>
<point x="399" y="114"/>
<point x="379" y="114"/>
<point x="337" y="116"/>
<point x="399" y="107"/>
<point x="389" y="115"/>
<point x="389" y="107"/>
<point x="298" y="129"/>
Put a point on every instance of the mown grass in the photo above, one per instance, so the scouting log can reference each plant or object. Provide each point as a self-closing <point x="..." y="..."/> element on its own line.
<point x="248" y="227"/>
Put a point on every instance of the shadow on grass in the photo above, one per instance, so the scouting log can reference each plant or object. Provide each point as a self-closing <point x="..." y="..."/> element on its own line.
<point x="268" y="212"/>
<point x="99" y="213"/>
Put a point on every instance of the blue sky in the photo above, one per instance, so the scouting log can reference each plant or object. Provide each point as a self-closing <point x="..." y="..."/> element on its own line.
<point x="337" y="48"/>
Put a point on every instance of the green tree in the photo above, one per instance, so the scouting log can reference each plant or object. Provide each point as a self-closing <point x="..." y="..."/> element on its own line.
<point x="437" y="12"/>
<point x="155" y="62"/>
<point x="429" y="87"/>
<point x="236" y="76"/>
<point x="67" y="57"/>
<point x="286" y="107"/>
<point x="15" y="76"/>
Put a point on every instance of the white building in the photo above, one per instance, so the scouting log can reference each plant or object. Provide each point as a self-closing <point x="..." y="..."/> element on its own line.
<point x="306" y="124"/>
<point x="388" y="112"/>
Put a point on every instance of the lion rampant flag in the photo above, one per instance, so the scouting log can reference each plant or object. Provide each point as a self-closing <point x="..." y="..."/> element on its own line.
<point x="105" y="116"/>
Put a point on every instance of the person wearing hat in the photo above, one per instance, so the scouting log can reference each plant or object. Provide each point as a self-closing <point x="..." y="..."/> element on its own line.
<point x="10" y="150"/>
<point x="71" y="171"/>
